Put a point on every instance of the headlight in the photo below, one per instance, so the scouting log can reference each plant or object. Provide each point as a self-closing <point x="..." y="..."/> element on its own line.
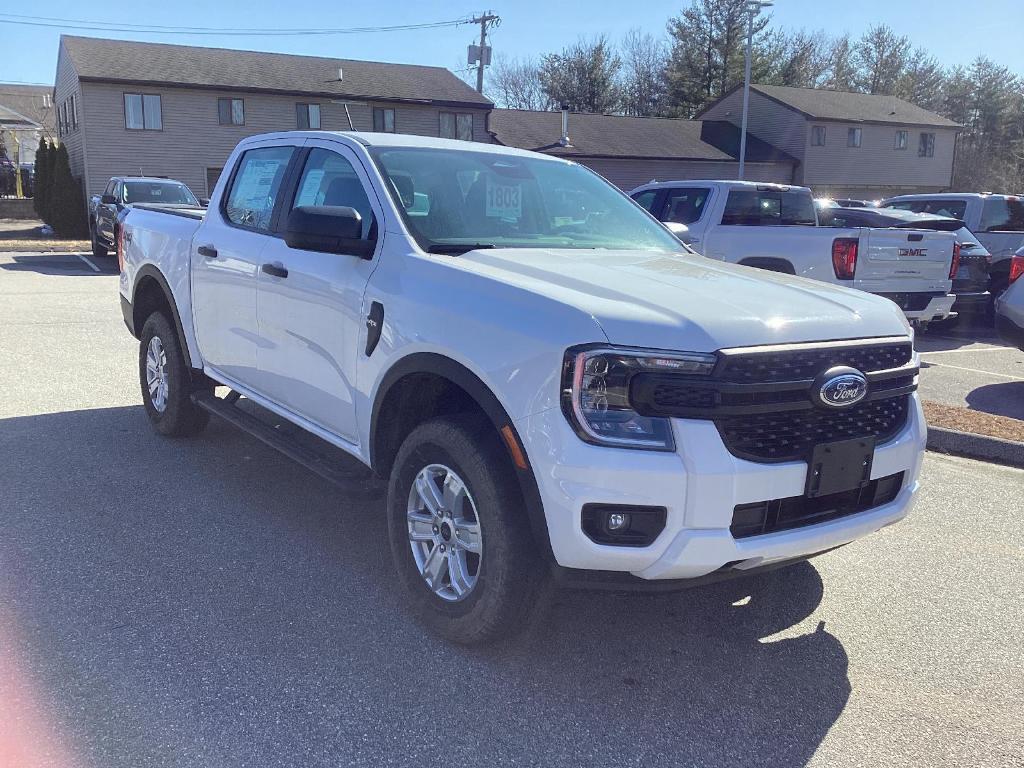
<point x="595" y="394"/>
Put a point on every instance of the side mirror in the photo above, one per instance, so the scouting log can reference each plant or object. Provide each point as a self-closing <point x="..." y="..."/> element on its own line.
<point x="681" y="231"/>
<point x="328" y="229"/>
<point x="108" y="199"/>
<point x="204" y="201"/>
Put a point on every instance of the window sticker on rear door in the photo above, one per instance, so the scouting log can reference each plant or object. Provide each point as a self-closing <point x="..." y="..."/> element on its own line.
<point x="504" y="201"/>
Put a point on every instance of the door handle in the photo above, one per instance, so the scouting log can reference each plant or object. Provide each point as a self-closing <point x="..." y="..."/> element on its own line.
<point x="208" y="251"/>
<point x="274" y="269"/>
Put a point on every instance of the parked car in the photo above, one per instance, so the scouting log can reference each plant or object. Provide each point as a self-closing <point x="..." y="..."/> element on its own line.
<point x="1010" y="305"/>
<point x="844" y="202"/>
<point x="550" y="382"/>
<point x="996" y="220"/>
<point x="775" y="227"/>
<point x="970" y="283"/>
<point x="122" y="191"/>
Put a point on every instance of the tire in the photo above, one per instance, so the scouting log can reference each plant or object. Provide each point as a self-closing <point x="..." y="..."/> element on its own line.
<point x="508" y="570"/>
<point x="171" y="410"/>
<point x="97" y="249"/>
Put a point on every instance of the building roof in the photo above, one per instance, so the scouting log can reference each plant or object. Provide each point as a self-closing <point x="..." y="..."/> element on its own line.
<point x="821" y="104"/>
<point x="120" y="61"/>
<point x="31" y="102"/>
<point x="614" y="136"/>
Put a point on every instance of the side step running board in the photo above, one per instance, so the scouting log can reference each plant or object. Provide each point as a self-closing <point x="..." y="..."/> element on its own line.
<point x="359" y="480"/>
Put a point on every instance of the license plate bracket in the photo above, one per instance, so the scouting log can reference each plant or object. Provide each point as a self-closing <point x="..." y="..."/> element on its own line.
<point x="840" y="466"/>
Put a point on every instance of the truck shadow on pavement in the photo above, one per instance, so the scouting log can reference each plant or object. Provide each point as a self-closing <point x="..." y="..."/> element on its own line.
<point x="1003" y="399"/>
<point x="209" y="602"/>
<point x="58" y="264"/>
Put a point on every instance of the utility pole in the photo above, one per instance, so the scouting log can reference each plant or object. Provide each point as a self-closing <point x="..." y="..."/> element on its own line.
<point x="481" y="55"/>
<point x="753" y="9"/>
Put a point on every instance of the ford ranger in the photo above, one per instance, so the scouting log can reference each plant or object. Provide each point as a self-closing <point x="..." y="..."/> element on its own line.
<point x="775" y="227"/>
<point x="549" y="382"/>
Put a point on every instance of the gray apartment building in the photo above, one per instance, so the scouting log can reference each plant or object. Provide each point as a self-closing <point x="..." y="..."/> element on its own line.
<point x="128" y="108"/>
<point x="849" y="144"/>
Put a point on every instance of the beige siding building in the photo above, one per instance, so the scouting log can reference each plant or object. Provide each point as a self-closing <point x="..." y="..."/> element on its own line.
<point x="128" y="108"/>
<point x="849" y="144"/>
<point x="630" y="151"/>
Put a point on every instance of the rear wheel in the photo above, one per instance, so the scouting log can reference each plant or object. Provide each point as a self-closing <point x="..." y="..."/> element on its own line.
<point x="98" y="249"/>
<point x="459" y="537"/>
<point x="166" y="381"/>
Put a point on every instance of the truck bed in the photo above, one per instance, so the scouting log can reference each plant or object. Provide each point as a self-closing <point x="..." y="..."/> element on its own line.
<point x="188" y="211"/>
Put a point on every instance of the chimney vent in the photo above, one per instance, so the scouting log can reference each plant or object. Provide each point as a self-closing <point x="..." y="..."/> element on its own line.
<point x="340" y="73"/>
<point x="564" y="140"/>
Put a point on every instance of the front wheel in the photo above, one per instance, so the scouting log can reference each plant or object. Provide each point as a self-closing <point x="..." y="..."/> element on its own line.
<point x="459" y="535"/>
<point x="166" y="381"/>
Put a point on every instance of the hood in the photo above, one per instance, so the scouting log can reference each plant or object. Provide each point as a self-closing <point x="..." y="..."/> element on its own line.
<point x="687" y="302"/>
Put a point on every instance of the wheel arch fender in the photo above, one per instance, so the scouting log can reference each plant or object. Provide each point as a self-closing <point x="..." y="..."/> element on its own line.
<point x="440" y="366"/>
<point x="770" y="263"/>
<point x="149" y="279"/>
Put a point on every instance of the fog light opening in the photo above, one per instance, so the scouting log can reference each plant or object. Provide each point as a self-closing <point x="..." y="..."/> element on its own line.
<point x="622" y="525"/>
<point x="618" y="521"/>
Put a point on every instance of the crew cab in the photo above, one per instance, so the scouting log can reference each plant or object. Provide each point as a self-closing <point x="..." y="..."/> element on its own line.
<point x="775" y="227"/>
<point x="122" y="191"/>
<point x="548" y="382"/>
<point x="996" y="220"/>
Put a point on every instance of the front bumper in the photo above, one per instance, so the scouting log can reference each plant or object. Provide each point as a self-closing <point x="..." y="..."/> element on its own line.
<point x="699" y="485"/>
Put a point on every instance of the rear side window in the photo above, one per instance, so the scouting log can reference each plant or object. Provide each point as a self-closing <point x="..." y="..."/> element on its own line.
<point x="256" y="185"/>
<point x="685" y="206"/>
<point x="330" y="179"/>
<point x="768" y="207"/>
<point x="953" y="208"/>
<point x="1003" y="214"/>
<point x="646" y="199"/>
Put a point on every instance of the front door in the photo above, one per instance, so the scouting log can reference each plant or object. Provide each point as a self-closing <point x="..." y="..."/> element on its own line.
<point x="310" y="303"/>
<point x="226" y="258"/>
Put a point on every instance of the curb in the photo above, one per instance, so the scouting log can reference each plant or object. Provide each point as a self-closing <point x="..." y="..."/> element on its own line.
<point x="974" y="446"/>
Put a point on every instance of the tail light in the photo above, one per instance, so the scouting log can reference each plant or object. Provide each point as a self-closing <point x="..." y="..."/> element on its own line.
<point x="120" y="249"/>
<point x="1016" y="267"/>
<point x="844" y="257"/>
<point x="954" y="267"/>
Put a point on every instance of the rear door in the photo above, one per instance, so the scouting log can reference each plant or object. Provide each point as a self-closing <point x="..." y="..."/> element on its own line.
<point x="904" y="261"/>
<point x="310" y="303"/>
<point x="106" y="213"/>
<point x="226" y="259"/>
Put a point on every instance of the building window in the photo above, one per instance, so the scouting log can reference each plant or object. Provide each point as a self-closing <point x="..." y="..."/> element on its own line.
<point x="853" y="137"/>
<point x="74" y="113"/>
<point x="901" y="139"/>
<point x="142" y="112"/>
<point x="307" y="116"/>
<point x="47" y="101"/>
<point x="62" y="118"/>
<point x="456" y="125"/>
<point x="231" y="111"/>
<point x="384" y="120"/>
<point x="818" y="136"/>
<point x="926" y="145"/>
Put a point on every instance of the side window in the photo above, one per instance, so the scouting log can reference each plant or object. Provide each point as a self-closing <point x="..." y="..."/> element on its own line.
<point x="330" y="179"/>
<point x="901" y="139"/>
<point x="926" y="145"/>
<point x="768" y="207"/>
<point x="818" y="136"/>
<point x="646" y="200"/>
<point x="255" y="186"/>
<point x="383" y="120"/>
<point x="1003" y="214"/>
<point x="685" y="206"/>
<point x="307" y="116"/>
<point x="110" y="188"/>
<point x="853" y="137"/>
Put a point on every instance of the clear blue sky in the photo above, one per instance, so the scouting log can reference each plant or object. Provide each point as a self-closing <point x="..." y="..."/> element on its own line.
<point x="953" y="30"/>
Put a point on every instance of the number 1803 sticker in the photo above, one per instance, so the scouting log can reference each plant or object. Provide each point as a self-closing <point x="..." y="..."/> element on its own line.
<point x="504" y="201"/>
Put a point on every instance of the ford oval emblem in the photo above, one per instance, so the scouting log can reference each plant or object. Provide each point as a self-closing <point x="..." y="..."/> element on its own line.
<point x="841" y="387"/>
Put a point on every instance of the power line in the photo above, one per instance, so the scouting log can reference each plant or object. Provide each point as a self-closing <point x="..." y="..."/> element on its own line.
<point x="102" y="26"/>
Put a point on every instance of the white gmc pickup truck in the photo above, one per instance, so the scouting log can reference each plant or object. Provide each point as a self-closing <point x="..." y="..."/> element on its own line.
<point x="775" y="227"/>
<point x="551" y="384"/>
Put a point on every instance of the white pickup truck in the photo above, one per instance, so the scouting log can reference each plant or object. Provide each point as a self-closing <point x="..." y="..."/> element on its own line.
<point x="550" y="383"/>
<point x="997" y="222"/>
<point x="775" y="227"/>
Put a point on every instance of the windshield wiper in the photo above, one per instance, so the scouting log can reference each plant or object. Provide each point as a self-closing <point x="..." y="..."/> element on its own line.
<point x="456" y="248"/>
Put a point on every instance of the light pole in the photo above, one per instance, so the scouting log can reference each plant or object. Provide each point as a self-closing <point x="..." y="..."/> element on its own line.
<point x="753" y="9"/>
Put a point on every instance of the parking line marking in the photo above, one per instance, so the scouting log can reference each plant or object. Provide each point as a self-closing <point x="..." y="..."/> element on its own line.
<point x="975" y="370"/>
<point x="967" y="351"/>
<point x="94" y="267"/>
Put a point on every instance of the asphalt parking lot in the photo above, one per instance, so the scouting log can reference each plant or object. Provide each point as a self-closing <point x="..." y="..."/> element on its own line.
<point x="209" y="603"/>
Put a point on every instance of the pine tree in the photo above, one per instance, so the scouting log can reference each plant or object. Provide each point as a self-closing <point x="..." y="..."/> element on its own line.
<point x="39" y="184"/>
<point x="67" y="206"/>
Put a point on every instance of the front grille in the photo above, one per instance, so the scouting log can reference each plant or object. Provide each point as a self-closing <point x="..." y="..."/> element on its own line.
<point x="792" y="435"/>
<point x="796" y="364"/>
<point x="797" y="511"/>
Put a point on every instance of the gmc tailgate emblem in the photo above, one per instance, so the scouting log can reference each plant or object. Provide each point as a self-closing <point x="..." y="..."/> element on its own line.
<point x="913" y="251"/>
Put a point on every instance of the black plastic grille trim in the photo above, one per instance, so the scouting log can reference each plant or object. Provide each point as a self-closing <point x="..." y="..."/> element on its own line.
<point x="797" y="364"/>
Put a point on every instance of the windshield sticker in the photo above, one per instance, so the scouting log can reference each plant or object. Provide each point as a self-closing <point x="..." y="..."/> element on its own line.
<point x="504" y="201"/>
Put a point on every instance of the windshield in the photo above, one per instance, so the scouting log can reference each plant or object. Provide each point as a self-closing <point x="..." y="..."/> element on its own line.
<point x="158" y="192"/>
<point x="454" y="200"/>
